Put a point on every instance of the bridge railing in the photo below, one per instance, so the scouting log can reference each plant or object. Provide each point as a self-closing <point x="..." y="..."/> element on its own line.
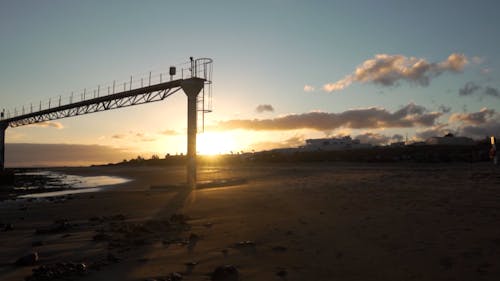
<point x="200" y="68"/>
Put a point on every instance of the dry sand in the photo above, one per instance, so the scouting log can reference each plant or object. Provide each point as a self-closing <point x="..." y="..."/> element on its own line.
<point x="302" y="222"/>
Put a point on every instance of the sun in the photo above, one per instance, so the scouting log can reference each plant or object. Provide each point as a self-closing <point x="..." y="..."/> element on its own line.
<point x="210" y="143"/>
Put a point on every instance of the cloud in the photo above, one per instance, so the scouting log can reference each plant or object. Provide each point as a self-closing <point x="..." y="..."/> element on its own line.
<point x="486" y="71"/>
<point x="144" y="137"/>
<point x="308" y="88"/>
<point x="477" y="60"/>
<point x="469" y="89"/>
<point x="485" y="122"/>
<point x="134" y="136"/>
<point x="473" y="118"/>
<point x="148" y="139"/>
<point x="47" y="124"/>
<point x="389" y="70"/>
<point x="264" y="107"/>
<point x="170" y="132"/>
<point x="489" y="128"/>
<point x="435" y="131"/>
<point x="444" y="109"/>
<point x="29" y="154"/>
<point x="411" y="115"/>
<point x="494" y="92"/>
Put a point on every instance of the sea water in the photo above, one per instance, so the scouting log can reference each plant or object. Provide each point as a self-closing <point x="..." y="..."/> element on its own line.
<point x="72" y="184"/>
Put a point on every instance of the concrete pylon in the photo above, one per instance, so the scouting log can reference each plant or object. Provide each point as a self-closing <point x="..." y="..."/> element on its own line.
<point x="3" y="127"/>
<point x="192" y="88"/>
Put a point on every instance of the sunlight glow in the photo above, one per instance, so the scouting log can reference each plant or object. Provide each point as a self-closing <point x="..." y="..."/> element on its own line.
<point x="210" y="143"/>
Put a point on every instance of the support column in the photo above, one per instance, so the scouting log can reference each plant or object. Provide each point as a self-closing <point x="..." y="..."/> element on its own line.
<point x="3" y="127"/>
<point x="192" y="88"/>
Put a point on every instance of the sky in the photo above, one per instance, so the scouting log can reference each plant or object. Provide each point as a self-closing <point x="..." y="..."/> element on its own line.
<point x="284" y="71"/>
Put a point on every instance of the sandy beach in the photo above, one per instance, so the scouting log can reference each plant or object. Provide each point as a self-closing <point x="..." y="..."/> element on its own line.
<point x="333" y="221"/>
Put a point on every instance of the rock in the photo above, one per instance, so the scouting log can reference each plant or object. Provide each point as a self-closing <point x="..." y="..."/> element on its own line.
<point x="282" y="273"/>
<point x="225" y="273"/>
<point x="27" y="260"/>
<point x="101" y="237"/>
<point x="113" y="258"/>
<point x="244" y="244"/>
<point x="94" y="218"/>
<point x="446" y="262"/>
<point x="119" y="217"/>
<point x="279" y="249"/>
<point x="81" y="267"/>
<point x="178" y="218"/>
<point x="8" y="227"/>
<point x="58" y="227"/>
<point x="193" y="238"/>
<point x="174" y="276"/>
<point x="36" y="243"/>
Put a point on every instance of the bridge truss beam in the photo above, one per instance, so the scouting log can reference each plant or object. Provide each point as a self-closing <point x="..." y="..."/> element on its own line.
<point x="124" y="99"/>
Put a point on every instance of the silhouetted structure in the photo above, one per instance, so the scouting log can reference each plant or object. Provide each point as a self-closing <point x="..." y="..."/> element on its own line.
<point x="133" y="93"/>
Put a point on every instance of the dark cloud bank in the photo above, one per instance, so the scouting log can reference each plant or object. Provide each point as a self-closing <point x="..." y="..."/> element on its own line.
<point x="36" y="155"/>
<point x="411" y="115"/>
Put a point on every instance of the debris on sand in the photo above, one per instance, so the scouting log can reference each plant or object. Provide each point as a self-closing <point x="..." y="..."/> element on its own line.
<point x="225" y="273"/>
<point x="63" y="271"/>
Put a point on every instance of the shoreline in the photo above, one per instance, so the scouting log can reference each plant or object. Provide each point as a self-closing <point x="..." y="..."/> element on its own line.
<point x="33" y="183"/>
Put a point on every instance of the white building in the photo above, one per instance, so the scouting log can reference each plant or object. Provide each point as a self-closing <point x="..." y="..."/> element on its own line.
<point x="333" y="144"/>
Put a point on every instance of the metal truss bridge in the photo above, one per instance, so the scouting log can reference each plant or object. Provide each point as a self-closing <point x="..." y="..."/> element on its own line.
<point x="193" y="77"/>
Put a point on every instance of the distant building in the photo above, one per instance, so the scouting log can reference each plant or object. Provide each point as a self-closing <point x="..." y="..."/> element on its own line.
<point x="398" y="144"/>
<point x="449" y="139"/>
<point x="417" y="143"/>
<point x="328" y="144"/>
<point x="285" y="150"/>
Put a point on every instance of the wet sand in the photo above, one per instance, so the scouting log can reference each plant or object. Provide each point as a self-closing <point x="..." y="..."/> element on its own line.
<point x="340" y="221"/>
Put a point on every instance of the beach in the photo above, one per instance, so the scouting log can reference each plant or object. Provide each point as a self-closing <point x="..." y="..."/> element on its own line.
<point x="318" y="221"/>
